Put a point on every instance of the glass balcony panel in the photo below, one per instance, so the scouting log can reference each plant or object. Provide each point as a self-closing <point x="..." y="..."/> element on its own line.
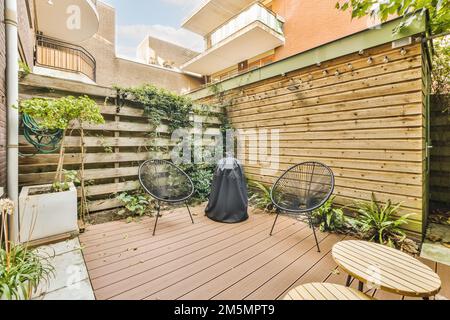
<point x="256" y="12"/>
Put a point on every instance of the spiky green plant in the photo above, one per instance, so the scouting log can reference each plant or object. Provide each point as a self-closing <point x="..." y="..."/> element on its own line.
<point x="21" y="270"/>
<point x="261" y="198"/>
<point x="328" y="217"/>
<point x="380" y="223"/>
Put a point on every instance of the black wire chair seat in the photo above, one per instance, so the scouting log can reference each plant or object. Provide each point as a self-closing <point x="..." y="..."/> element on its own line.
<point x="165" y="182"/>
<point x="303" y="189"/>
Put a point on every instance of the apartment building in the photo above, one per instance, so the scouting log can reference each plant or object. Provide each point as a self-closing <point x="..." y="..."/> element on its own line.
<point x="242" y="35"/>
<point x="87" y="54"/>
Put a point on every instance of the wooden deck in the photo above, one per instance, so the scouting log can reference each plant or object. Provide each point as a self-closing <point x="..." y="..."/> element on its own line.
<point x="210" y="260"/>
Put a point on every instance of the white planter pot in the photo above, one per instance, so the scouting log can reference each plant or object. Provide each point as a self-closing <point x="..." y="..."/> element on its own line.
<point x="48" y="214"/>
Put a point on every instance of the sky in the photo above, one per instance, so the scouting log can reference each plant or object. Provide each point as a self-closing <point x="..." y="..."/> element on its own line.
<point x="160" y="18"/>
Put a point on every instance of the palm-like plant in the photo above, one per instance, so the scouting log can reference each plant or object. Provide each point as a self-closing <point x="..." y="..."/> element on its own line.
<point x="261" y="199"/>
<point x="21" y="269"/>
<point x="379" y="222"/>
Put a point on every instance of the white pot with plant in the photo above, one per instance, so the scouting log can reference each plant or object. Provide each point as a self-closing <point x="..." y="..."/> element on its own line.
<point x="48" y="211"/>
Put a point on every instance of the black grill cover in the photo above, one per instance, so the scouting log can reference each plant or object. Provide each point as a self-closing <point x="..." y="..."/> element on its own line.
<point x="228" y="201"/>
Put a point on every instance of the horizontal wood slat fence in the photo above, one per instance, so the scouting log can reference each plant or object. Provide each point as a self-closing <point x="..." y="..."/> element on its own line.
<point x="363" y="115"/>
<point x="114" y="150"/>
<point x="440" y="154"/>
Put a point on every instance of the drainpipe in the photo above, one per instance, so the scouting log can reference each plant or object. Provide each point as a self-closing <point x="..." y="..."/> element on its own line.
<point x="12" y="100"/>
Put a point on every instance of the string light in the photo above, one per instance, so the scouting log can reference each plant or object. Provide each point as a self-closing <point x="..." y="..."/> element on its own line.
<point x="325" y="72"/>
<point x="370" y="60"/>
<point x="337" y="73"/>
<point x="350" y="66"/>
<point x="386" y="59"/>
<point x="361" y="52"/>
<point x="403" y="52"/>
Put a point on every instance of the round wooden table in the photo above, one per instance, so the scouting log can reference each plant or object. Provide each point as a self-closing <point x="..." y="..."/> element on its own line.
<point x="384" y="268"/>
<point x="325" y="291"/>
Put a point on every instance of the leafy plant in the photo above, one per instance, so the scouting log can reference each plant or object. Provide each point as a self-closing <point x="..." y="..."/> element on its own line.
<point x="136" y="204"/>
<point x="328" y="217"/>
<point x="379" y="223"/>
<point x="411" y="10"/>
<point x="261" y="198"/>
<point x="60" y="114"/>
<point x="24" y="70"/>
<point x="161" y="104"/>
<point x="21" y="269"/>
<point x="201" y="176"/>
<point x="69" y="177"/>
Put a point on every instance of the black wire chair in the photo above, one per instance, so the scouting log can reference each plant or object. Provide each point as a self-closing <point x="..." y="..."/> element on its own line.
<point x="166" y="182"/>
<point x="302" y="189"/>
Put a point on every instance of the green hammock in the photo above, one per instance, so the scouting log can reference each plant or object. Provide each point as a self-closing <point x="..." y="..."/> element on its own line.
<point x="44" y="140"/>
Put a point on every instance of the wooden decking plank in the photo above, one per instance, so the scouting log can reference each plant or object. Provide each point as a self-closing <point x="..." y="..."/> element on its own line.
<point x="166" y="252"/>
<point x="213" y="279"/>
<point x="173" y="230"/>
<point x="94" y="231"/>
<point x="140" y="285"/>
<point x="278" y="282"/>
<point x="250" y="283"/>
<point x="135" y="230"/>
<point x="444" y="273"/>
<point x="149" y="244"/>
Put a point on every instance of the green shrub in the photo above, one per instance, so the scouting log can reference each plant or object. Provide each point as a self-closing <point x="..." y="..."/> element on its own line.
<point x="379" y="223"/>
<point x="202" y="177"/>
<point x="328" y="217"/>
<point x="136" y="204"/>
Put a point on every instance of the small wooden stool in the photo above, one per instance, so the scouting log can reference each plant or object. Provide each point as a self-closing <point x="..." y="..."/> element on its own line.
<point x="325" y="291"/>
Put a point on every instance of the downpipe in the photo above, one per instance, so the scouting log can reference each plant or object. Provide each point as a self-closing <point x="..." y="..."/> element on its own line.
<point x="12" y="100"/>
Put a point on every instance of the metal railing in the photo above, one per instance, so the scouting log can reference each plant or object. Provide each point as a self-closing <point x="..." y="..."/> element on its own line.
<point x="60" y="55"/>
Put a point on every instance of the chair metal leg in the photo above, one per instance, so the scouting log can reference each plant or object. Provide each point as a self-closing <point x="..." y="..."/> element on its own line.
<point x="189" y="210"/>
<point x="157" y="217"/>
<point x="276" y="219"/>
<point x="314" y="232"/>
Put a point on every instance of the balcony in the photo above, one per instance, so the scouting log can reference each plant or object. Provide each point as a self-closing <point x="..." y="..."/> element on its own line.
<point x="212" y="14"/>
<point x="58" y="55"/>
<point x="252" y="32"/>
<point x="69" y="20"/>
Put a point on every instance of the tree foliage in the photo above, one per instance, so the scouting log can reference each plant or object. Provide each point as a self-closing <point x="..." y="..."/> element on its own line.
<point x="411" y="10"/>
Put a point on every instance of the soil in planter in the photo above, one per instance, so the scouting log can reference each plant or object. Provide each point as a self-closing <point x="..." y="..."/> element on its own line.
<point x="40" y="191"/>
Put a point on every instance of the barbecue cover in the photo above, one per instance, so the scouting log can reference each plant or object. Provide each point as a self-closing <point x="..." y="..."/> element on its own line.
<point x="228" y="201"/>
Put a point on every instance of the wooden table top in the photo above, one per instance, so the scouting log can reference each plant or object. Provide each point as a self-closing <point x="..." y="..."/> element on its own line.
<point x="385" y="268"/>
<point x="325" y="291"/>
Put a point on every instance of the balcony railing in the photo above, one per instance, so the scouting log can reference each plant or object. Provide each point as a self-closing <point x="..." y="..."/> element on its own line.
<point x="256" y="12"/>
<point x="59" y="55"/>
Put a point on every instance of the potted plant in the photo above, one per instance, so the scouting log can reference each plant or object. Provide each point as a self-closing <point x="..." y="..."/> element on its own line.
<point x="52" y="210"/>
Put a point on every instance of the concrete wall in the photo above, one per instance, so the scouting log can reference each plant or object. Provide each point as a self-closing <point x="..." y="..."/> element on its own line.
<point x="157" y="51"/>
<point x="2" y="97"/>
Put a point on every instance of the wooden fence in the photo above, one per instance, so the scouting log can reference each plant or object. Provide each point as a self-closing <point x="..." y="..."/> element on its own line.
<point x="440" y="154"/>
<point x="114" y="150"/>
<point x="363" y="115"/>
